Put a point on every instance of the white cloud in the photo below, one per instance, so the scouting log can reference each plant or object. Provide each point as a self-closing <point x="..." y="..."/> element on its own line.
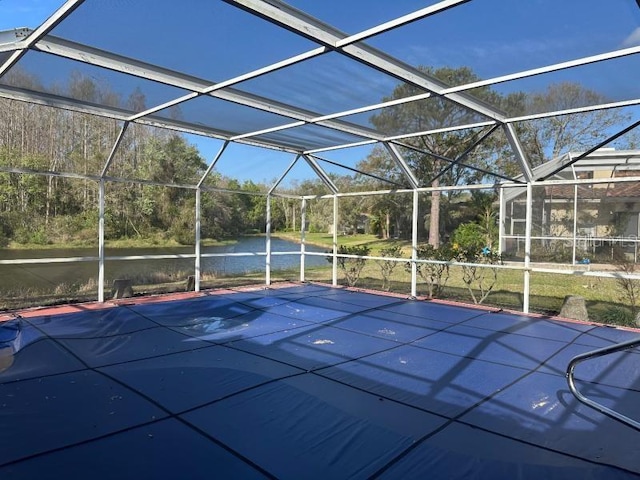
<point x="491" y="57"/>
<point x="633" y="39"/>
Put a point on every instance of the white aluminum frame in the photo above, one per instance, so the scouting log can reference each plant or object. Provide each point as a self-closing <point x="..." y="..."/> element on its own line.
<point x="329" y="40"/>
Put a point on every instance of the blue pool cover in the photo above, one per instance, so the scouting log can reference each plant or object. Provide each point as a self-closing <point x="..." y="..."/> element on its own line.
<point x="309" y="382"/>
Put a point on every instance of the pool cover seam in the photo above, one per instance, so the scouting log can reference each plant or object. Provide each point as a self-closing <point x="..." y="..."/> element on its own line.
<point x="153" y="402"/>
<point x="208" y="344"/>
<point x="226" y="345"/>
<point x="317" y="371"/>
<point x="456" y="419"/>
<point x="229" y="344"/>
<point x="213" y="342"/>
<point x="380" y="308"/>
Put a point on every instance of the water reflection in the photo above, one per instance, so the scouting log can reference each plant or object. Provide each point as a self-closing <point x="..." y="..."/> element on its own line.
<point x="41" y="276"/>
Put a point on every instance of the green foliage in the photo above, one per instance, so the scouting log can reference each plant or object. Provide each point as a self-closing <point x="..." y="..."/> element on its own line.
<point x="619" y="316"/>
<point x="485" y="208"/>
<point x="351" y="267"/>
<point x="35" y="235"/>
<point x="430" y="168"/>
<point x="556" y="252"/>
<point x="469" y="237"/>
<point x="6" y="231"/>
<point x="37" y="209"/>
<point x="470" y="246"/>
<point x="388" y="266"/>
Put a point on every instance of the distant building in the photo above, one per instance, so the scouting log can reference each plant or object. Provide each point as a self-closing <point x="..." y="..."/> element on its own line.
<point x="580" y="219"/>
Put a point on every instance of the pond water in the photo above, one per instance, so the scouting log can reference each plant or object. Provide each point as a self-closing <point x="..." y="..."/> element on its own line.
<point x="47" y="275"/>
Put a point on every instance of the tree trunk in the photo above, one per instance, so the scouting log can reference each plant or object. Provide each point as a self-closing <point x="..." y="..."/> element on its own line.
<point x="293" y="217"/>
<point x="434" y="221"/>
<point x="387" y="228"/>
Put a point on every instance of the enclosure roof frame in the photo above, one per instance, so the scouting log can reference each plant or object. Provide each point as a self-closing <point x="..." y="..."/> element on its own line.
<point x="14" y="44"/>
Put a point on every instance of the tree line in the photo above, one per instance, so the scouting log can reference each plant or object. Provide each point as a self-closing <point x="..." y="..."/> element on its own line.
<point x="56" y="208"/>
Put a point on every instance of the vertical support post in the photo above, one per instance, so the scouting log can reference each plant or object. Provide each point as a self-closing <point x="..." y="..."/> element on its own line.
<point x="501" y="229"/>
<point x="575" y="221"/>
<point x="414" y="246"/>
<point x="101" y="200"/>
<point x="303" y="228"/>
<point x="198" y="238"/>
<point x="267" y="279"/>
<point x="334" y="265"/>
<point x="635" y="241"/>
<point x="527" y="248"/>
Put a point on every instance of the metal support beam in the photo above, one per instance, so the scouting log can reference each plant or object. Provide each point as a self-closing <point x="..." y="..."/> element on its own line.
<point x="400" y="21"/>
<point x="284" y="174"/>
<point x="575" y="217"/>
<point x="501" y="215"/>
<point x="309" y="27"/>
<point x="334" y="263"/>
<point x="198" y="240"/>
<point x="518" y="151"/>
<point x="321" y="173"/>
<point x="213" y="163"/>
<point x="267" y="279"/>
<point x="35" y="35"/>
<point x="114" y="149"/>
<point x="303" y="227"/>
<point x="575" y="223"/>
<point x="197" y="87"/>
<point x="400" y="161"/>
<point x="101" y="201"/>
<point x="56" y="101"/>
<point x="414" y="245"/>
<point x="527" y="249"/>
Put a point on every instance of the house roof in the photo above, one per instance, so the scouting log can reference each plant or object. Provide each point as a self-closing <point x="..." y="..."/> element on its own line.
<point x="614" y="163"/>
<point x="602" y="192"/>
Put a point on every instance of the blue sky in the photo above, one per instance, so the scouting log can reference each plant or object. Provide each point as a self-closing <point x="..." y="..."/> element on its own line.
<point x="494" y="37"/>
<point x="25" y="13"/>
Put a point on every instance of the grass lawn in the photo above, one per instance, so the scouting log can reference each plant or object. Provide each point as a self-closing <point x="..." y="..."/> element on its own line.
<point x="603" y="296"/>
<point x="374" y="243"/>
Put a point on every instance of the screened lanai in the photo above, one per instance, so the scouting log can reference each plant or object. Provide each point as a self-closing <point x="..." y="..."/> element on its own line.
<point x="311" y="93"/>
<point x="321" y="92"/>
<point x="268" y="157"/>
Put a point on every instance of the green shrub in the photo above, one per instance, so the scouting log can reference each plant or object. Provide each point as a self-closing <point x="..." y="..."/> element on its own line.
<point x="470" y="246"/>
<point x="470" y="237"/>
<point x="619" y="316"/>
<point x="29" y="235"/>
